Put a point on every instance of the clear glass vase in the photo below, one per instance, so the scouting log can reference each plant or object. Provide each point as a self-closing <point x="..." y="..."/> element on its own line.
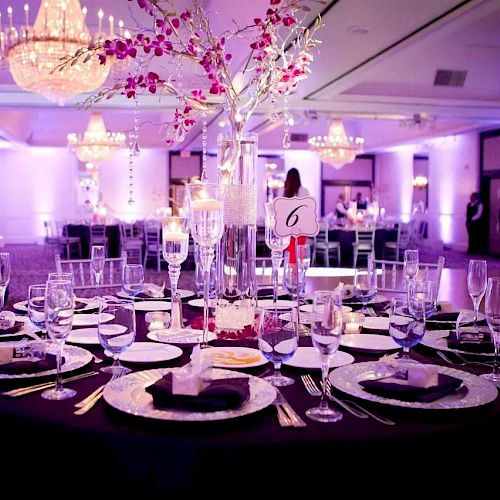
<point x="237" y="166"/>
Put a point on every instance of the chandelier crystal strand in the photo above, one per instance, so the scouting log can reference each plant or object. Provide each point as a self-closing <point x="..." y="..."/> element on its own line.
<point x="34" y="52"/>
<point x="204" y="174"/>
<point x="137" y="148"/>
<point x="286" y="136"/>
<point x="131" y="141"/>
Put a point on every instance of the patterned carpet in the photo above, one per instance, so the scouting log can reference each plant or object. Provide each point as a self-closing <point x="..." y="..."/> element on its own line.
<point x="31" y="263"/>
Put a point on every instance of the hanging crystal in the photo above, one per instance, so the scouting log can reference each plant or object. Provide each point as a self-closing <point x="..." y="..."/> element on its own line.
<point x="131" y="168"/>
<point x="136" y="147"/>
<point x="204" y="174"/>
<point x="286" y="116"/>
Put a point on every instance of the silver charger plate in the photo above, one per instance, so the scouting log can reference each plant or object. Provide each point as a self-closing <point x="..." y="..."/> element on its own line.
<point x="478" y="391"/>
<point x="128" y="394"/>
<point x="437" y="339"/>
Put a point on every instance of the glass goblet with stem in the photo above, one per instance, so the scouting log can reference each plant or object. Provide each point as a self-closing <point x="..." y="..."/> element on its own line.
<point x="326" y="330"/>
<point x="407" y="331"/>
<point x="175" y="235"/>
<point x="411" y="265"/>
<point x="477" y="276"/>
<point x="422" y="298"/>
<point x="206" y="207"/>
<point x="365" y="286"/>
<point x="4" y="276"/>
<point x="276" y="244"/>
<point x="294" y="276"/>
<point x="492" y="310"/>
<point x="59" y="310"/>
<point x="132" y="279"/>
<point x="97" y="257"/>
<point x="116" y="332"/>
<point x="36" y="307"/>
<point x="277" y="339"/>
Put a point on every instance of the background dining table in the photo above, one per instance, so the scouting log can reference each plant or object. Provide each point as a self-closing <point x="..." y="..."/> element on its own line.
<point x="46" y="448"/>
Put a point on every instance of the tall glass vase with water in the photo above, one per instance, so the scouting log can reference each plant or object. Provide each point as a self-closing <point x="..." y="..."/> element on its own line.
<point x="492" y="310"/>
<point x="4" y="276"/>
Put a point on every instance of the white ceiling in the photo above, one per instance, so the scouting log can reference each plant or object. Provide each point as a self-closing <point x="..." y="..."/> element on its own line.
<point x="373" y="80"/>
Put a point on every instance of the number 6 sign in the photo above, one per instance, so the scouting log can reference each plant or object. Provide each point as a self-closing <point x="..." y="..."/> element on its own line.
<point x="295" y="216"/>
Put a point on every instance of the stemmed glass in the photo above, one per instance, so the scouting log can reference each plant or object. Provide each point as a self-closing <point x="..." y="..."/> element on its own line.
<point x="326" y="329"/>
<point x="407" y="331"/>
<point x="118" y="333"/>
<point x="4" y="276"/>
<point x="411" y="265"/>
<point x="132" y="279"/>
<point x="476" y="284"/>
<point x="59" y="310"/>
<point x="492" y="310"/>
<point x="277" y="339"/>
<point x="36" y="306"/>
<point x="365" y="286"/>
<point x="421" y="298"/>
<point x="276" y="244"/>
<point x="294" y="277"/>
<point x="97" y="257"/>
<point x="175" y="233"/>
<point x="206" y="206"/>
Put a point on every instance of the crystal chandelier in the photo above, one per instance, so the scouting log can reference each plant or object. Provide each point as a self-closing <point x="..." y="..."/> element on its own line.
<point x="336" y="148"/>
<point x="33" y="52"/>
<point x="97" y="144"/>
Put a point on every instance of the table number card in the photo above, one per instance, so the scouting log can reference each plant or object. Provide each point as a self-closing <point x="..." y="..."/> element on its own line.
<point x="296" y="216"/>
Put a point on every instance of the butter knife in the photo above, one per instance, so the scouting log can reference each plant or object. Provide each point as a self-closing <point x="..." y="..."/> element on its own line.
<point x="292" y="414"/>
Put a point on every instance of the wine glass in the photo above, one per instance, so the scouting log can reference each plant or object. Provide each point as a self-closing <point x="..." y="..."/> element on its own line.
<point x="118" y="333"/>
<point x="326" y="330"/>
<point x="278" y="339"/>
<point x="304" y="259"/>
<point x="175" y="233"/>
<point x="4" y="276"/>
<point x="276" y="244"/>
<point x="407" y="331"/>
<point x="294" y="277"/>
<point x="411" y="265"/>
<point x="365" y="286"/>
<point x="97" y="257"/>
<point x="132" y="279"/>
<point x="476" y="284"/>
<point x="59" y="310"/>
<point x="36" y="306"/>
<point x="492" y="309"/>
<point x="421" y="298"/>
<point x="206" y="207"/>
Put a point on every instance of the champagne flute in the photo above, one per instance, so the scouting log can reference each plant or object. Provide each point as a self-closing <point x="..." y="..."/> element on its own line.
<point x="97" y="257"/>
<point x="36" y="306"/>
<point x="4" y="276"/>
<point x="276" y="244"/>
<point x="132" y="279"/>
<point x="59" y="310"/>
<point x="118" y="333"/>
<point x="492" y="309"/>
<point x="278" y="339"/>
<point x="365" y="286"/>
<point x="326" y="330"/>
<point x="411" y="265"/>
<point x="294" y="277"/>
<point x="175" y="234"/>
<point x="476" y="284"/>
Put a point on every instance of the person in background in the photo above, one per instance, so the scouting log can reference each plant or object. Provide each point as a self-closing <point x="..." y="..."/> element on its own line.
<point x="474" y="216"/>
<point x="293" y="187"/>
<point x="361" y="203"/>
<point x="340" y="207"/>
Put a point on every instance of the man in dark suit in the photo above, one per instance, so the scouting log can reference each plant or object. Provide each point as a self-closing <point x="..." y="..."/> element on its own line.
<point x="474" y="218"/>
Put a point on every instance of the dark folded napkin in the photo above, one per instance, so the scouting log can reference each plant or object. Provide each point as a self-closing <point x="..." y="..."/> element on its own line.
<point x="472" y="343"/>
<point x="20" y="367"/>
<point x="444" y="316"/>
<point x="403" y="392"/>
<point x="18" y="325"/>
<point x="142" y="295"/>
<point x="221" y="394"/>
<point x="265" y="292"/>
<point x="80" y="305"/>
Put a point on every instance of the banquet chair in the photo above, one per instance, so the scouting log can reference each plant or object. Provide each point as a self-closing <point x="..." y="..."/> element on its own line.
<point x="153" y="244"/>
<point x="70" y="246"/>
<point x="84" y="276"/>
<point x="98" y="236"/>
<point x="131" y="244"/>
<point x="323" y="246"/>
<point x="364" y="244"/>
<point x="391" y="275"/>
<point x="396" y="248"/>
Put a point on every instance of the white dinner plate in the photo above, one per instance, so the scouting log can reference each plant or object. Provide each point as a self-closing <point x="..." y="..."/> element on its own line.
<point x="269" y="302"/>
<point x="185" y="336"/>
<point x="309" y="308"/>
<point x="182" y="293"/>
<point x="85" y="336"/>
<point x="201" y="302"/>
<point x="91" y="319"/>
<point x="153" y="305"/>
<point x="128" y="394"/>
<point x="475" y="390"/>
<point x="376" y="323"/>
<point x="368" y="342"/>
<point x="74" y="358"/>
<point x="235" y="357"/>
<point x="376" y="300"/>
<point x="307" y="357"/>
<point x="347" y="293"/>
<point x="437" y="339"/>
<point x="90" y="304"/>
<point x="148" y="352"/>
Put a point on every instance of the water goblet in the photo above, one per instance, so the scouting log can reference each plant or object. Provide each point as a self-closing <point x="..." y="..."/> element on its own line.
<point x="175" y="234"/>
<point x="326" y="330"/>
<point x="118" y="333"/>
<point x="365" y="286"/>
<point x="97" y="257"/>
<point x="476" y="284"/>
<point x="492" y="310"/>
<point x="278" y="339"/>
<point x="407" y="331"/>
<point x="276" y="244"/>
<point x="411" y="265"/>
<point x="59" y="309"/>
<point x="421" y="298"/>
<point x="36" y="307"/>
<point x="4" y="276"/>
<point x="132" y="279"/>
<point x="206" y="208"/>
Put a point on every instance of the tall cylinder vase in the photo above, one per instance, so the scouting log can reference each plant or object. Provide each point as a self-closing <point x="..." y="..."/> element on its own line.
<point x="237" y="162"/>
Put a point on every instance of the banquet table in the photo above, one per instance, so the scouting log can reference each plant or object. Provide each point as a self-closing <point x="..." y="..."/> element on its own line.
<point x="57" y="451"/>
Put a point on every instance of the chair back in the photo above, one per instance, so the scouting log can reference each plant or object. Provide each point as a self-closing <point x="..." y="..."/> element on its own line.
<point x="153" y="242"/>
<point x="97" y="231"/>
<point x="365" y="239"/>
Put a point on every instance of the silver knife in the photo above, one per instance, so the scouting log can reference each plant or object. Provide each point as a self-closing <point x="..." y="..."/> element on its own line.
<point x="292" y="414"/>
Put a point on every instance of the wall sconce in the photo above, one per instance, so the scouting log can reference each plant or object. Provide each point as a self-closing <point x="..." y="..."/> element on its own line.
<point x="420" y="182"/>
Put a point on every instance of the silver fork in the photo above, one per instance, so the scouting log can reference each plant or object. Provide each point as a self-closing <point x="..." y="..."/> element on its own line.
<point x="462" y="361"/>
<point x="314" y="390"/>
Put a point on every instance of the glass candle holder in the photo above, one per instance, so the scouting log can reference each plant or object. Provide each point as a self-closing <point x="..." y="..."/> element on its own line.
<point x="157" y="320"/>
<point x="353" y="322"/>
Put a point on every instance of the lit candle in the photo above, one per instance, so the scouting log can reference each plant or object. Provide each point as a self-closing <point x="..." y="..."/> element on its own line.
<point x="26" y="14"/>
<point x="353" y="322"/>
<point x="156" y="325"/>
<point x="157" y="320"/>
<point x="207" y="205"/>
<point x="84" y="12"/>
<point x="111" y="20"/>
<point x="46" y="7"/>
<point x="120" y="25"/>
<point x="351" y="328"/>
<point x="9" y="12"/>
<point x="100" y="15"/>
<point x="175" y="236"/>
